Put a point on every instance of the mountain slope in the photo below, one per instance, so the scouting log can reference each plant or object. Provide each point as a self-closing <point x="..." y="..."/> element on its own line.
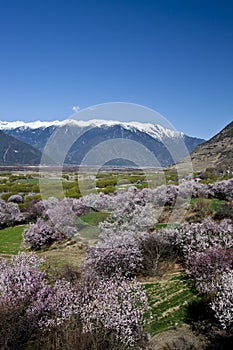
<point x="15" y="152"/>
<point x="217" y="153"/>
<point x="153" y="136"/>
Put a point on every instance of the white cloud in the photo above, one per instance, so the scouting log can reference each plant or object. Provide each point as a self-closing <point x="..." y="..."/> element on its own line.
<point x="75" y="108"/>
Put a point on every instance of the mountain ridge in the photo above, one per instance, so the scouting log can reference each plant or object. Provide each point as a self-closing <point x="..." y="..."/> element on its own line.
<point x="155" y="137"/>
<point x="154" y="129"/>
<point x="15" y="152"/>
<point x="216" y="154"/>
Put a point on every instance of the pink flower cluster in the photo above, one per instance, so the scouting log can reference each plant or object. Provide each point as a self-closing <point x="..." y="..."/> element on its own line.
<point x="114" y="305"/>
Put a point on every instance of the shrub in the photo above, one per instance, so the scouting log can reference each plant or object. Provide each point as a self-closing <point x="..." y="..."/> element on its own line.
<point x="63" y="218"/>
<point x="15" y="328"/>
<point x="222" y="304"/>
<point x="157" y="251"/>
<point x="222" y="189"/>
<point x="103" y="183"/>
<point x="166" y="194"/>
<point x="31" y="208"/>
<point x="115" y="254"/>
<point x="198" y="237"/>
<point x="224" y="210"/>
<point x="207" y="267"/>
<point x="117" y="306"/>
<point x="132" y="217"/>
<point x="15" y="198"/>
<point x="28" y="303"/>
<point x="53" y="305"/>
<point x="41" y="235"/>
<point x="105" y="312"/>
<point x="57" y="221"/>
<point x="20" y="278"/>
<point x="202" y="208"/>
<point x="9" y="214"/>
<point x="5" y="196"/>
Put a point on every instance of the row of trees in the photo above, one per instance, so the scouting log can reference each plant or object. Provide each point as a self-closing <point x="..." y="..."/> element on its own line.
<point x="138" y="210"/>
<point x="156" y="199"/>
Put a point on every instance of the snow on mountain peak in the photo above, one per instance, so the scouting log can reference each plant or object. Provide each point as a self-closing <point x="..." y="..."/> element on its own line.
<point x="154" y="130"/>
<point x="31" y="125"/>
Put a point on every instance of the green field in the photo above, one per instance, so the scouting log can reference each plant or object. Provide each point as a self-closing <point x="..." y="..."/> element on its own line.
<point x="11" y="239"/>
<point x="169" y="300"/>
<point x="88" y="225"/>
<point x="94" y="218"/>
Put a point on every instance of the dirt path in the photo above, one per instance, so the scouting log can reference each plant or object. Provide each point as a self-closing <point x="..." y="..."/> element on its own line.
<point x="168" y="337"/>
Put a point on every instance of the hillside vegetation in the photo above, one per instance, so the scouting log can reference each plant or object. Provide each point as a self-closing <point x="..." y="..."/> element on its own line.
<point x="116" y="268"/>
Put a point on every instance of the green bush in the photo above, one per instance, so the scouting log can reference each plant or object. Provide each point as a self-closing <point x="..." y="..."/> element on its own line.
<point x="108" y="189"/>
<point x="103" y="183"/>
<point x="4" y="188"/>
<point x="5" y="196"/>
<point x="224" y="210"/>
<point x="73" y="192"/>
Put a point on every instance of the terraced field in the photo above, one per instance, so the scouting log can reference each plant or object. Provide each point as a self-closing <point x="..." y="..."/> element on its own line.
<point x="169" y="300"/>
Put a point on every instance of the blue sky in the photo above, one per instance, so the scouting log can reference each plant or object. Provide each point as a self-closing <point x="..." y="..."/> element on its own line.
<point x="173" y="56"/>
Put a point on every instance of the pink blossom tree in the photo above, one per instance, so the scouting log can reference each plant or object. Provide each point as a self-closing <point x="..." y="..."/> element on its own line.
<point x="112" y="306"/>
<point x="208" y="266"/>
<point x="9" y="214"/>
<point x="222" y="304"/>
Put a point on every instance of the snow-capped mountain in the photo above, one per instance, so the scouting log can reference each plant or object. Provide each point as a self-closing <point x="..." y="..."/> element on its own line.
<point x="155" y="130"/>
<point x="90" y="133"/>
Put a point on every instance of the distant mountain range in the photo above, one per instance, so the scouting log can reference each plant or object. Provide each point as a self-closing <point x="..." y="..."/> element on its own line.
<point x="157" y="139"/>
<point x="15" y="152"/>
<point x="215" y="154"/>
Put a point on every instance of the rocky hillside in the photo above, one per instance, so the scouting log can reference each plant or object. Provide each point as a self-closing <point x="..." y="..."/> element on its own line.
<point x="15" y="152"/>
<point x="217" y="153"/>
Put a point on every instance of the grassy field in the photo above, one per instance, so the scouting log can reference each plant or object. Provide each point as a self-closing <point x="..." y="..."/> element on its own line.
<point x="94" y="218"/>
<point x="169" y="300"/>
<point x="213" y="203"/>
<point x="88" y="225"/>
<point x="11" y="239"/>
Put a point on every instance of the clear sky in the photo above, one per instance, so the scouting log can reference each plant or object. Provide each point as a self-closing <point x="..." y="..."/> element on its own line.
<point x="174" y="56"/>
